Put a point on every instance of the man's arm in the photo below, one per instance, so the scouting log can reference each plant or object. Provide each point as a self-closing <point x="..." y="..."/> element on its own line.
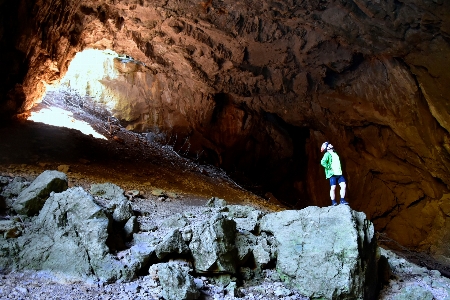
<point x="325" y="162"/>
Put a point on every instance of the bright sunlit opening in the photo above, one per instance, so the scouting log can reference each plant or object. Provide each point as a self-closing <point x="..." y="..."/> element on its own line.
<point x="59" y="117"/>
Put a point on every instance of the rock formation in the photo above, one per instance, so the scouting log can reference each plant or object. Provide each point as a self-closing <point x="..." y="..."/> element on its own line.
<point x="257" y="87"/>
<point x="328" y="253"/>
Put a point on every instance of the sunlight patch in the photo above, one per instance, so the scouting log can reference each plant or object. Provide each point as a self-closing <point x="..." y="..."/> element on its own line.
<point x="62" y="118"/>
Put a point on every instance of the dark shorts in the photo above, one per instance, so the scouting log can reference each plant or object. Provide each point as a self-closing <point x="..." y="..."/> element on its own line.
<point x="336" y="178"/>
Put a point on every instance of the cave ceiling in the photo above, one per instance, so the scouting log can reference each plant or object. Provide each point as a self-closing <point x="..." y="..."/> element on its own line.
<point x="257" y="86"/>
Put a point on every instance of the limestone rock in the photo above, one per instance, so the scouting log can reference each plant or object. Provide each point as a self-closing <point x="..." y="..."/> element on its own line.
<point x="216" y="202"/>
<point x="14" y="188"/>
<point x="122" y="211"/>
<point x="32" y="199"/>
<point x="173" y="243"/>
<point x="8" y="253"/>
<point x="245" y="241"/>
<point x="130" y="227"/>
<point x="69" y="236"/>
<point x="177" y="284"/>
<point x="213" y="245"/>
<point x="413" y="292"/>
<point x="175" y="221"/>
<point x="325" y="252"/>
<point x="246" y="217"/>
<point x="138" y="257"/>
<point x="108" y="191"/>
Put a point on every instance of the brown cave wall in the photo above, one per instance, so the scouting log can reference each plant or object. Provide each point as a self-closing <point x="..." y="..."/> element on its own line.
<point x="258" y="86"/>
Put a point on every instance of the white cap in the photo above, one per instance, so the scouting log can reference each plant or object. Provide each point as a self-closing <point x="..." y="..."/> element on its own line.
<point x="326" y="146"/>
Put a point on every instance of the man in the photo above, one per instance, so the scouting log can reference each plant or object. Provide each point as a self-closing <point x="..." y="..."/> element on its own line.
<point x="333" y="171"/>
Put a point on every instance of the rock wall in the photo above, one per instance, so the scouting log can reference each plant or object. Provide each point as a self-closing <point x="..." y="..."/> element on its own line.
<point x="257" y="87"/>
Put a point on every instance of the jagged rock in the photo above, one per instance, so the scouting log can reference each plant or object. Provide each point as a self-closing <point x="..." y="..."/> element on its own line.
<point x="117" y="203"/>
<point x="15" y="187"/>
<point x="325" y="252"/>
<point x="176" y="283"/>
<point x="414" y="292"/>
<point x="176" y="221"/>
<point x="122" y="211"/>
<point x="231" y="290"/>
<point x="262" y="257"/>
<point x="130" y="227"/>
<point x="245" y="241"/>
<point x="11" y="190"/>
<point x="257" y="247"/>
<point x="31" y="199"/>
<point x="8" y="253"/>
<point x="108" y="191"/>
<point x="213" y="245"/>
<point x="186" y="232"/>
<point x="173" y="243"/>
<point x="138" y="257"/>
<point x="145" y="238"/>
<point x="246" y="217"/>
<point x="69" y="236"/>
<point x="216" y="202"/>
<point x="4" y="181"/>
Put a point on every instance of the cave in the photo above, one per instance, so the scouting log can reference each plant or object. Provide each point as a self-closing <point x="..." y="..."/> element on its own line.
<point x="256" y="89"/>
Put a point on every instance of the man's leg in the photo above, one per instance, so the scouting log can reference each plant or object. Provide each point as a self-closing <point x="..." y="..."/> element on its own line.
<point x="342" y="192"/>
<point x="333" y="194"/>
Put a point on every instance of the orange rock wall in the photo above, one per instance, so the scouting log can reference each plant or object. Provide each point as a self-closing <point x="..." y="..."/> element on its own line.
<point x="257" y="86"/>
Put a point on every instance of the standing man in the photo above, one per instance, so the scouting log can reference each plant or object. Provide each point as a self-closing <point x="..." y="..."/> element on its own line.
<point x="333" y="171"/>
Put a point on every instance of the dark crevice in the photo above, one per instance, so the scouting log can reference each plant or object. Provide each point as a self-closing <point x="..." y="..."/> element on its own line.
<point x="221" y="101"/>
<point x="416" y="202"/>
<point x="387" y="213"/>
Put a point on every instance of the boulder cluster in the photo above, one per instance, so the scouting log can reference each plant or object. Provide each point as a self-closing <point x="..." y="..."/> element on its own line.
<point x="327" y="253"/>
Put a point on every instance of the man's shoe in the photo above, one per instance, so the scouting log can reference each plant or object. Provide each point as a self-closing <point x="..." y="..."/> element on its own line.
<point x="343" y="202"/>
<point x="333" y="203"/>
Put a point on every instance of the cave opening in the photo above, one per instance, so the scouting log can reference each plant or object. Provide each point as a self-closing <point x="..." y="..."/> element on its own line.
<point x="72" y="101"/>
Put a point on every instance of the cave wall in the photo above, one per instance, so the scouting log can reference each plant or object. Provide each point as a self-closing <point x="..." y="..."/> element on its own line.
<point x="258" y="86"/>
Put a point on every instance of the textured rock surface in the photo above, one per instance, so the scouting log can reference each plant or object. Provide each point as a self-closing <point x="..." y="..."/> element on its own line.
<point x="213" y="245"/>
<point x="259" y="86"/>
<point x="176" y="282"/>
<point x="325" y="252"/>
<point x="172" y="243"/>
<point x="69" y="236"/>
<point x="32" y="199"/>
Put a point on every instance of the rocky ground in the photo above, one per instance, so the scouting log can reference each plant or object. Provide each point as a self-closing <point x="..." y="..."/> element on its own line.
<point x="168" y="184"/>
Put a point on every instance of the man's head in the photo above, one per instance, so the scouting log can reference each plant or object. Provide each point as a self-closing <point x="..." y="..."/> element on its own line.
<point x="326" y="146"/>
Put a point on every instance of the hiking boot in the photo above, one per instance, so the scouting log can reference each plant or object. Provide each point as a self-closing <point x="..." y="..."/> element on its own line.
<point x="333" y="203"/>
<point x="343" y="202"/>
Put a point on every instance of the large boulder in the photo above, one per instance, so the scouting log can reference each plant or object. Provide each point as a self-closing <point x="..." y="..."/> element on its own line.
<point x="114" y="200"/>
<point x="172" y="243"/>
<point x="326" y="252"/>
<point x="213" y="245"/>
<point x="108" y="191"/>
<point x="246" y="217"/>
<point x="259" y="248"/>
<point x="32" y="199"/>
<point x="69" y="236"/>
<point x="176" y="283"/>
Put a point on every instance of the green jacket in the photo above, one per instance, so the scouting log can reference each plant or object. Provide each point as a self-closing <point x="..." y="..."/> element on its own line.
<point x="331" y="163"/>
